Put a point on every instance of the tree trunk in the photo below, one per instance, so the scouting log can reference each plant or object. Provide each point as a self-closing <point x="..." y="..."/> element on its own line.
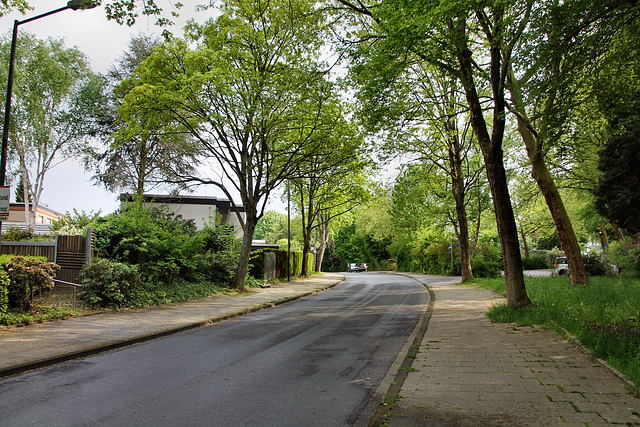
<point x="306" y="248"/>
<point x="323" y="229"/>
<point x="618" y="232"/>
<point x="491" y="147"/>
<point x="524" y="243"/>
<point x="463" y="238"/>
<point x="245" y="252"/>
<point x="604" y="237"/>
<point x="540" y="173"/>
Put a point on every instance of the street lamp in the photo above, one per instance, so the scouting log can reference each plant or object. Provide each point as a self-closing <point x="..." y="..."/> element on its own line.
<point x="73" y="5"/>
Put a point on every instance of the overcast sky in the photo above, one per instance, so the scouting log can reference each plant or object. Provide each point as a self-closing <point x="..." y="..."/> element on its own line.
<point x="67" y="186"/>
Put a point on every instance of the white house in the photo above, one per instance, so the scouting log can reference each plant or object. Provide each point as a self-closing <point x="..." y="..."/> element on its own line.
<point x="198" y="208"/>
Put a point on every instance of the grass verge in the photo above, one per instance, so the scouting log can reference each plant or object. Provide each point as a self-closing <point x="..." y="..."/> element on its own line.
<point x="604" y="315"/>
<point x="37" y="314"/>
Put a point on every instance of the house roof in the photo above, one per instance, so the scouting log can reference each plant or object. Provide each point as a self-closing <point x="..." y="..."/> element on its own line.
<point x="222" y="204"/>
<point x="40" y="208"/>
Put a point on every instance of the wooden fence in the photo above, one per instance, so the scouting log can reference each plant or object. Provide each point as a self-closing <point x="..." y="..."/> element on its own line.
<point x="71" y="253"/>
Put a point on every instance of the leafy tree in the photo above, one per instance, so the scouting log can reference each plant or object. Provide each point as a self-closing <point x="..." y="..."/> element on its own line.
<point x="251" y="94"/>
<point x="619" y="187"/>
<point x="464" y="40"/>
<point x="330" y="184"/>
<point x="558" y="46"/>
<point x="271" y="227"/>
<point x="121" y="11"/>
<point x="424" y="118"/>
<point x="141" y="152"/>
<point x="9" y="5"/>
<point x="52" y="85"/>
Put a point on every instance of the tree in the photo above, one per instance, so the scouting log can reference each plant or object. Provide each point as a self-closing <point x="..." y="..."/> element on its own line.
<point x="141" y="151"/>
<point x="619" y="187"/>
<point x="7" y="6"/>
<point x="271" y="227"/>
<point x="330" y="184"/>
<point x="251" y="94"/>
<point x="51" y="85"/>
<point x="464" y="40"/>
<point x="425" y="119"/>
<point x="121" y="11"/>
<point x="559" y="45"/>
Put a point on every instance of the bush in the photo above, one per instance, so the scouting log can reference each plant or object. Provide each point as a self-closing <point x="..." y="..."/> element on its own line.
<point x="218" y="267"/>
<point x="535" y="262"/>
<point x="14" y="234"/>
<point x="626" y="256"/>
<point x="108" y="284"/>
<point x="163" y="245"/>
<point x="4" y="290"/>
<point x="27" y="275"/>
<point x="486" y="268"/>
<point x="593" y="265"/>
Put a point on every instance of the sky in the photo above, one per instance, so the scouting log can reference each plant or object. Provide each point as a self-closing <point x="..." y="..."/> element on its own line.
<point x="68" y="186"/>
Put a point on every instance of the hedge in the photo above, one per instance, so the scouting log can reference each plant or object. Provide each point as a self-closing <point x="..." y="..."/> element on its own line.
<point x="257" y="268"/>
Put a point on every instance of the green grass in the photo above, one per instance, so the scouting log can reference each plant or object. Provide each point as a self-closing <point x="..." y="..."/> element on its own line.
<point x="37" y="314"/>
<point x="604" y="315"/>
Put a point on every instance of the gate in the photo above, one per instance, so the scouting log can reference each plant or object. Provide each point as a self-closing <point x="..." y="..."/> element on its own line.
<point x="71" y="253"/>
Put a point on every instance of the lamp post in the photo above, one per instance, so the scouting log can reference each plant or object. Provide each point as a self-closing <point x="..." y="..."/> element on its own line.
<point x="73" y="5"/>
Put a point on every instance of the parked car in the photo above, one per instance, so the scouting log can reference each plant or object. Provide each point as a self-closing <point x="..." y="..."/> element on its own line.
<point x="356" y="267"/>
<point x="562" y="268"/>
<point x="353" y="268"/>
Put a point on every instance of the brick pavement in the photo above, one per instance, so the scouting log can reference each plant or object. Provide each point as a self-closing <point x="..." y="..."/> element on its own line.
<point x="470" y="372"/>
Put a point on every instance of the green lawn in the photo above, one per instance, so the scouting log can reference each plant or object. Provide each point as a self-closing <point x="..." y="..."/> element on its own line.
<point x="604" y="315"/>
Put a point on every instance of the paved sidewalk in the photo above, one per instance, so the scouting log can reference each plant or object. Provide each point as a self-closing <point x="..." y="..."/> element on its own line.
<point x="33" y="346"/>
<point x="470" y="372"/>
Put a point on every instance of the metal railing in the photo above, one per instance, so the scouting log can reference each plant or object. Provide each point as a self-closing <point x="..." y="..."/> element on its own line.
<point x="75" y="287"/>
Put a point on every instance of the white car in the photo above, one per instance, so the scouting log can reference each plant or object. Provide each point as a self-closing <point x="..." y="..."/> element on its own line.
<point x="562" y="268"/>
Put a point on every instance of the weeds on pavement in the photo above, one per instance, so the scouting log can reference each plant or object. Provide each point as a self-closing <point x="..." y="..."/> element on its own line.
<point x="604" y="315"/>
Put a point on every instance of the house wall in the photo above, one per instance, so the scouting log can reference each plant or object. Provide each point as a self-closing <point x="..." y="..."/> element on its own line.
<point x="43" y="215"/>
<point x="201" y="210"/>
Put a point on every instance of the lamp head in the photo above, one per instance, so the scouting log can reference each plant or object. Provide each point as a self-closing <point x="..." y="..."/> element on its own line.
<point x="81" y="4"/>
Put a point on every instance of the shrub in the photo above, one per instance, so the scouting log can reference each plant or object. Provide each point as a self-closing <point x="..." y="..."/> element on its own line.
<point x="486" y="268"/>
<point x="14" y="234"/>
<point x="108" y="284"/>
<point x="535" y="262"/>
<point x="4" y="290"/>
<point x="163" y="245"/>
<point x="593" y="265"/>
<point x="27" y="275"/>
<point x="219" y="268"/>
<point x="626" y="256"/>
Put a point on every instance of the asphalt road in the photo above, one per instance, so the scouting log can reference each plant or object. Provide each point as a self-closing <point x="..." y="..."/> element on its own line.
<point x="316" y="361"/>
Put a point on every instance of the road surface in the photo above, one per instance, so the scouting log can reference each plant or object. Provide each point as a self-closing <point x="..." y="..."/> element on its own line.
<point x="316" y="361"/>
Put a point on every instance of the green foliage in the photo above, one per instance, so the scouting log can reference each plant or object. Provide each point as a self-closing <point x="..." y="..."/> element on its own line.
<point x="169" y="258"/>
<point x="271" y="227"/>
<point x="27" y="276"/>
<point x="626" y="256"/>
<point x="535" y="262"/>
<point x="74" y="223"/>
<point x="36" y="314"/>
<point x="50" y="116"/>
<point x="594" y="265"/>
<point x="619" y="186"/>
<point x="483" y="267"/>
<point x="604" y="315"/>
<point x="109" y="284"/>
<point x="163" y="245"/>
<point x="15" y="234"/>
<point x="4" y="290"/>
<point x="436" y="258"/>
